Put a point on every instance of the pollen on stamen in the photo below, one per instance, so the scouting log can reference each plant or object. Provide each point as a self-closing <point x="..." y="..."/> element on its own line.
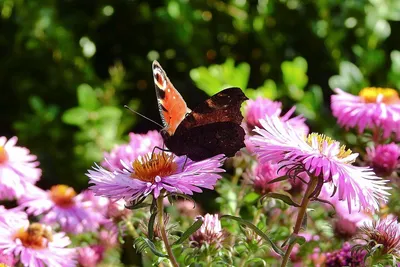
<point x="36" y="236"/>
<point x="323" y="140"/>
<point x="370" y="95"/>
<point x="3" y="155"/>
<point x="148" y="167"/>
<point x="62" y="195"/>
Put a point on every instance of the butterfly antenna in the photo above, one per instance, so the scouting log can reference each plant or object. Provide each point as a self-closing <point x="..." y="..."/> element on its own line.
<point x="143" y="116"/>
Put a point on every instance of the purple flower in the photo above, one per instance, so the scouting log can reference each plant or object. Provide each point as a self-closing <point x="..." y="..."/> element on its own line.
<point x="345" y="257"/>
<point x="260" y="175"/>
<point x="11" y="215"/>
<point x="384" y="232"/>
<point x="153" y="173"/>
<point x="262" y="107"/>
<point x="384" y="159"/>
<point x="35" y="245"/>
<point x="210" y="232"/>
<point x="90" y="256"/>
<point x="321" y="157"/>
<point x="139" y="145"/>
<point x="62" y="205"/>
<point x="7" y="260"/>
<point x="373" y="108"/>
<point x="17" y="168"/>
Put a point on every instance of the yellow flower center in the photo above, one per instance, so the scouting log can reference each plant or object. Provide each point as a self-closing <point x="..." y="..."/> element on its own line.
<point x="3" y="155"/>
<point x="62" y="195"/>
<point x="3" y="265"/>
<point x="370" y="95"/>
<point x="147" y="168"/>
<point x="323" y="140"/>
<point x="36" y="236"/>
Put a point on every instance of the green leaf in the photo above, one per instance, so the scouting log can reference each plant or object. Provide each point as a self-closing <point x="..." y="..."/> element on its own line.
<point x="150" y="226"/>
<point x="75" y="116"/>
<point x="217" y="77"/>
<point x="279" y="179"/>
<point x="295" y="77"/>
<point x="251" y="198"/>
<point x="294" y="239"/>
<point x="256" y="262"/>
<point x="109" y="113"/>
<point x="138" y="204"/>
<point x="87" y="97"/>
<point x="304" y="222"/>
<point x="193" y="228"/>
<point x="285" y="198"/>
<point x="256" y="230"/>
<point x="142" y="243"/>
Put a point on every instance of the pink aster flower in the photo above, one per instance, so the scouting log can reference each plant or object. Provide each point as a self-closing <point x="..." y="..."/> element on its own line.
<point x="374" y="108"/>
<point x="345" y="224"/>
<point x="139" y="145"/>
<point x="63" y="206"/>
<point x="153" y="173"/>
<point x="262" y="107"/>
<point x="17" y="168"/>
<point x="90" y="256"/>
<point x="260" y="175"/>
<point x="35" y="245"/>
<point x="384" y="232"/>
<point x="322" y="158"/>
<point x="7" y="260"/>
<point x="384" y="159"/>
<point x="210" y="232"/>
<point x="11" y="215"/>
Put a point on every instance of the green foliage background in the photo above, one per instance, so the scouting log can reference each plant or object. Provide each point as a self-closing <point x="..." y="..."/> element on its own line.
<point x="67" y="67"/>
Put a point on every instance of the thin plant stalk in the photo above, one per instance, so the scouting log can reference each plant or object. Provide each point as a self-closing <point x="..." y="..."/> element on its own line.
<point x="160" y="207"/>
<point x="300" y="216"/>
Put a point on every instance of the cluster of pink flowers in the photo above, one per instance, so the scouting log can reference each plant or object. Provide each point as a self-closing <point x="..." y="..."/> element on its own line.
<point x="374" y="108"/>
<point x="37" y="244"/>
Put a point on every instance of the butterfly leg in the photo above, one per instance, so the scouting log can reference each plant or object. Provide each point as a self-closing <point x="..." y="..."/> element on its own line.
<point x="159" y="148"/>
<point x="184" y="164"/>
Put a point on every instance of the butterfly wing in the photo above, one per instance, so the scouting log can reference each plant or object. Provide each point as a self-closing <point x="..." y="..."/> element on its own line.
<point x="204" y="141"/>
<point x="171" y="105"/>
<point x="211" y="128"/>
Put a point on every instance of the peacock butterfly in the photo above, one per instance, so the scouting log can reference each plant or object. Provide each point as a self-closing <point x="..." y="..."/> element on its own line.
<point x="210" y="129"/>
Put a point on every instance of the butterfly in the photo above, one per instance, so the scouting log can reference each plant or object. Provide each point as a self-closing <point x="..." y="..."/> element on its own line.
<point x="212" y="128"/>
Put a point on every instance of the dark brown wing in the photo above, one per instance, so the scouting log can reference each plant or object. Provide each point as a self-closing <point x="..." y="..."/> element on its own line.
<point x="207" y="140"/>
<point x="211" y="128"/>
<point x="221" y="107"/>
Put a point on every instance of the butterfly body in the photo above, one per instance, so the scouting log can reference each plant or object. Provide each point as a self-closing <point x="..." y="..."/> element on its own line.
<point x="212" y="128"/>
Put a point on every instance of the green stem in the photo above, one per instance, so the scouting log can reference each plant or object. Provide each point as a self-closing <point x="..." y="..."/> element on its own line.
<point x="300" y="216"/>
<point x="131" y="229"/>
<point x="160" y="207"/>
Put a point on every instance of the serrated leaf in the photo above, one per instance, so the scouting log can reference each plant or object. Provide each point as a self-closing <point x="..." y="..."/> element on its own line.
<point x="285" y="198"/>
<point x="256" y="230"/>
<point x="87" y="97"/>
<point x="193" y="228"/>
<point x="75" y="116"/>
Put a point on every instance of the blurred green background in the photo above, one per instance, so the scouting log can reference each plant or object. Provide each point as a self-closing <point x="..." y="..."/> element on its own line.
<point x="67" y="67"/>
